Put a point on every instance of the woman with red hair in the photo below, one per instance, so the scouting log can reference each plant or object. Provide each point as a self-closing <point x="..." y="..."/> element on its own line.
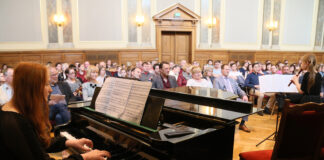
<point x="24" y="123"/>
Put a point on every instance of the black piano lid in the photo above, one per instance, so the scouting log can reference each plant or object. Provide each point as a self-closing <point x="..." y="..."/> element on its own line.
<point x="205" y="96"/>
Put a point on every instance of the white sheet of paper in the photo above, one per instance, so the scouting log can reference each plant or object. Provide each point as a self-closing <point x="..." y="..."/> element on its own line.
<point x="124" y="99"/>
<point x="276" y="83"/>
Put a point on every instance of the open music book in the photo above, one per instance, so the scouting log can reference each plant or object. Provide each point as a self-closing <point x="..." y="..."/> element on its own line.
<point x="123" y="98"/>
<point x="277" y="83"/>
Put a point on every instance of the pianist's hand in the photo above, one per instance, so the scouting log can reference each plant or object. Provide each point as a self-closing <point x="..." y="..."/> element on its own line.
<point x="78" y="144"/>
<point x="96" y="155"/>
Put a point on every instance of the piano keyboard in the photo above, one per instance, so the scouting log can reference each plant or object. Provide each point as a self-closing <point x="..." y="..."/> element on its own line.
<point x="116" y="151"/>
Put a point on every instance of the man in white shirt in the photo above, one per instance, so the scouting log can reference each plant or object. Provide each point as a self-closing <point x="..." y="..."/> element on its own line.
<point x="6" y="89"/>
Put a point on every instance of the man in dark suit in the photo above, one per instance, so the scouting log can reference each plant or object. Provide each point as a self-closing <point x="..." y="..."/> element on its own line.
<point x="224" y="82"/>
<point x="164" y="80"/>
<point x="59" y="98"/>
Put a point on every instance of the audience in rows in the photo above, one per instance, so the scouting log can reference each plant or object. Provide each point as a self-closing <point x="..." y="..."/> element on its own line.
<point x="78" y="81"/>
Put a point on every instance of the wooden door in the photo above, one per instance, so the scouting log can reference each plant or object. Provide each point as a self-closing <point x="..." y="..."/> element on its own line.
<point x="176" y="46"/>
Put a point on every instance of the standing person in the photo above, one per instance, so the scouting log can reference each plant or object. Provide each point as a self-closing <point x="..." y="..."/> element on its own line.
<point x="146" y="75"/>
<point x="310" y="88"/>
<point x="197" y="80"/>
<point x="6" y="91"/>
<point x="228" y="84"/>
<point x="164" y="80"/>
<point x="24" y="124"/>
<point x="89" y="87"/>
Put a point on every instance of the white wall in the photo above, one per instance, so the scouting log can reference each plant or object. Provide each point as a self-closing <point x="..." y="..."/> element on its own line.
<point x="298" y="20"/>
<point x="100" y="20"/>
<point x="20" y="21"/>
<point x="103" y="23"/>
<point x="241" y="21"/>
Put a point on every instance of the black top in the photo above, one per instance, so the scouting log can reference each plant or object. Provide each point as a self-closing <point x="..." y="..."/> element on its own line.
<point x="19" y="140"/>
<point x="315" y="90"/>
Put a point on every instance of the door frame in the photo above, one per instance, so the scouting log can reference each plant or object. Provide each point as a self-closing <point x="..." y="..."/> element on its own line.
<point x="165" y="21"/>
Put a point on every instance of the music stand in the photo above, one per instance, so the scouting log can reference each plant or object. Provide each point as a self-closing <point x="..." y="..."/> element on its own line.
<point x="275" y="133"/>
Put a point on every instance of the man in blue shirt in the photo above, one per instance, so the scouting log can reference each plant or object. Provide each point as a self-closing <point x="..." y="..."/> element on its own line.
<point x="252" y="81"/>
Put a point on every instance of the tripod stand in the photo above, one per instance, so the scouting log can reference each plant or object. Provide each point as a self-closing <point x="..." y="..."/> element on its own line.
<point x="274" y="134"/>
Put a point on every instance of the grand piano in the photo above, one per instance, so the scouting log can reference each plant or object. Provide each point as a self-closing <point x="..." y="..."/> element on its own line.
<point x="178" y="123"/>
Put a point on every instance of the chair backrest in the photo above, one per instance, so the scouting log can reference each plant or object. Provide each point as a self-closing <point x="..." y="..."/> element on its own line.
<point x="300" y="132"/>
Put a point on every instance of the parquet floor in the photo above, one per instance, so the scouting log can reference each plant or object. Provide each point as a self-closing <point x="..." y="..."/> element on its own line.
<point x="261" y="127"/>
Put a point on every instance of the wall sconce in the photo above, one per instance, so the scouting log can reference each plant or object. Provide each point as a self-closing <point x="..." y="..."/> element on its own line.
<point x="211" y="22"/>
<point x="139" y="20"/>
<point x="59" y="19"/>
<point x="272" y="25"/>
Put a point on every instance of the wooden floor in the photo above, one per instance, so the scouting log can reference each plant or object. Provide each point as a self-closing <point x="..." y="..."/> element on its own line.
<point x="261" y="127"/>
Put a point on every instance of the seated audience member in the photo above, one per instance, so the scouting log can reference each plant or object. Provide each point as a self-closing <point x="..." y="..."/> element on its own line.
<point x="102" y="76"/>
<point x="89" y="87"/>
<point x="321" y="70"/>
<point x="146" y="75"/>
<point x="186" y="71"/>
<point x="81" y="74"/>
<point x="285" y="70"/>
<point x="209" y="64"/>
<point x="181" y="81"/>
<point x="322" y="91"/>
<point x="59" y="98"/>
<point x="252" y="81"/>
<point x="108" y="64"/>
<point x="102" y="64"/>
<point x="2" y="79"/>
<point x="228" y="84"/>
<point x="195" y="63"/>
<point x="74" y="83"/>
<point x="244" y="68"/>
<point x="171" y="64"/>
<point x="197" y="80"/>
<point x="123" y="73"/>
<point x="136" y="73"/>
<point x="208" y="75"/>
<point x="25" y="127"/>
<point x="292" y="69"/>
<point x="217" y="69"/>
<point x="236" y="75"/>
<point x="268" y="68"/>
<point x="4" y="68"/>
<point x="62" y="76"/>
<point x="6" y="91"/>
<point x="263" y="68"/>
<point x="77" y="65"/>
<point x="164" y="80"/>
<point x="156" y="68"/>
<point x="274" y="69"/>
<point x="86" y="65"/>
<point x="309" y="89"/>
<point x="58" y="67"/>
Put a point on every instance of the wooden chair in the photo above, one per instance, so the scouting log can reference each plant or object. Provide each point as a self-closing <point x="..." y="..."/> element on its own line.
<point x="300" y="135"/>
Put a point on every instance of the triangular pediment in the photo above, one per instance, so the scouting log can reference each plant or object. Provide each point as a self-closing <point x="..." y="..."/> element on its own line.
<point x="177" y="12"/>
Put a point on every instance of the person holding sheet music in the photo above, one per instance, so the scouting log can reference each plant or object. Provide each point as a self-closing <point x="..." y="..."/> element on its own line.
<point x="252" y="81"/>
<point x="310" y="88"/>
<point x="224" y="82"/>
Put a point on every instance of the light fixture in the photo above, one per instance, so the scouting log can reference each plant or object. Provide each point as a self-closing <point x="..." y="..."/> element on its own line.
<point x="139" y="20"/>
<point x="211" y="22"/>
<point x="272" y="25"/>
<point x="59" y="19"/>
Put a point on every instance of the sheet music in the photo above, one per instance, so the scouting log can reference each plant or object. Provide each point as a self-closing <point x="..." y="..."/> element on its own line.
<point x="276" y="83"/>
<point x="124" y="99"/>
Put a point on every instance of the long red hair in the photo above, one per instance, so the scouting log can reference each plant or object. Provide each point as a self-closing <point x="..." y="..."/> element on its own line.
<point x="29" y="81"/>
